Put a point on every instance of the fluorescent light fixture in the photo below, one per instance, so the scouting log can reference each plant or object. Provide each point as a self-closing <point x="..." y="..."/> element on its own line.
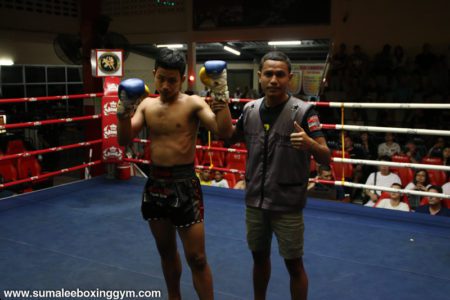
<point x="6" y="62"/>
<point x="284" y="43"/>
<point x="171" y="46"/>
<point x="229" y="49"/>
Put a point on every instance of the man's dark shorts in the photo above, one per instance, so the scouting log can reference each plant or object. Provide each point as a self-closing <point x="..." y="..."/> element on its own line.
<point x="173" y="193"/>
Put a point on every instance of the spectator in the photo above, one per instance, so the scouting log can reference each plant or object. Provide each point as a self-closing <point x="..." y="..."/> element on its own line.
<point x="219" y="181"/>
<point x="370" y="152"/>
<point x="416" y="119"/>
<point x="325" y="191"/>
<point x="240" y="185"/>
<point x="394" y="201"/>
<point x="426" y="59"/>
<point x="413" y="152"/>
<point x="382" y="68"/>
<point x="358" y="117"/>
<point x="205" y="177"/>
<point x="383" y="61"/>
<point x="368" y="146"/>
<point x="382" y="178"/>
<point x="358" y="63"/>
<point x="355" y="152"/>
<point x="237" y="93"/>
<point x="446" y="188"/>
<point x="338" y="67"/>
<point x="437" y="149"/>
<point x="420" y="183"/>
<point x="434" y="206"/>
<point x="399" y="59"/>
<point x="389" y="147"/>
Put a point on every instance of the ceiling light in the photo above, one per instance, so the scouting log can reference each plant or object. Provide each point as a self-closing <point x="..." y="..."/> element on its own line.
<point x="6" y="62"/>
<point x="171" y="46"/>
<point x="229" y="49"/>
<point x="284" y="43"/>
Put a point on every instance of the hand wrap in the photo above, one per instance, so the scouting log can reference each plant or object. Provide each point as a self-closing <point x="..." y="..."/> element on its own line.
<point x="214" y="75"/>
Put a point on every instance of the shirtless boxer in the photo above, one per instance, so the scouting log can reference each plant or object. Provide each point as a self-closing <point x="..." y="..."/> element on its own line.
<point x="172" y="199"/>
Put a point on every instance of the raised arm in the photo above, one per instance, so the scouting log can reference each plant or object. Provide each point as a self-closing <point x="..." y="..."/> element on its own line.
<point x="219" y="122"/>
<point x="214" y="75"/>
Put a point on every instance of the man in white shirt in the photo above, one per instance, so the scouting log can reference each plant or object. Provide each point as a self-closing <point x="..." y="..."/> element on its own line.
<point x="395" y="200"/>
<point x="383" y="178"/>
<point x="219" y="180"/>
<point x="389" y="147"/>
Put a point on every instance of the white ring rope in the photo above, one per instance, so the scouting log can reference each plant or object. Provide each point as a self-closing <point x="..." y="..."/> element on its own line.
<point x="388" y="129"/>
<point x="411" y="131"/>
<point x="389" y="189"/>
<point x="390" y="164"/>
<point x="379" y="188"/>
<point x="384" y="105"/>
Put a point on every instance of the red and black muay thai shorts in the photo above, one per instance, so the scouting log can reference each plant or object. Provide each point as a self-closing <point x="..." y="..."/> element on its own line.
<point x="173" y="193"/>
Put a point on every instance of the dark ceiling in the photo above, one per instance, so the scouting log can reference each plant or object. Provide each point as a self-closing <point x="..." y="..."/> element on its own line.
<point x="310" y="50"/>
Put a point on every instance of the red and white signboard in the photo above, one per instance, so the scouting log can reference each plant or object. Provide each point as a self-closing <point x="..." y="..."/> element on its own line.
<point x="111" y="151"/>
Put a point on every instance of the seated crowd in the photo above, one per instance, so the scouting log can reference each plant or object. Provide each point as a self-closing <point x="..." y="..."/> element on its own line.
<point x="364" y="146"/>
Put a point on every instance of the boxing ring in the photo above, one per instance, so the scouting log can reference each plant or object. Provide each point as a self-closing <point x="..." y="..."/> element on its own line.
<point x="89" y="235"/>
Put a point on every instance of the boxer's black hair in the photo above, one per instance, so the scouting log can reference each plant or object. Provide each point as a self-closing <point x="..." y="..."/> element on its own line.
<point x="276" y="55"/>
<point x="171" y="59"/>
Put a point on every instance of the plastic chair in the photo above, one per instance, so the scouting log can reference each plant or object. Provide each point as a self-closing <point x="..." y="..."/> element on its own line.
<point x="239" y="146"/>
<point x="219" y="144"/>
<point x="432" y="160"/>
<point x="212" y="156"/>
<point x="198" y="152"/>
<point x="399" y="158"/>
<point x="437" y="177"/>
<point x="336" y="170"/>
<point x="28" y="167"/>
<point x="406" y="175"/>
<point x="15" y="146"/>
<point x="236" y="161"/>
<point x="8" y="171"/>
<point x="230" y="178"/>
<point x="338" y="153"/>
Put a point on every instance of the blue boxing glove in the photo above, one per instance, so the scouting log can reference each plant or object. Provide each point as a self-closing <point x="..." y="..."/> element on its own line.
<point x="214" y="75"/>
<point x="131" y="92"/>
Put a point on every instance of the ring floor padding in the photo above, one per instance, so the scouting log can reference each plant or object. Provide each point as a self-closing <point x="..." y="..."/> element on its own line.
<point x="90" y="235"/>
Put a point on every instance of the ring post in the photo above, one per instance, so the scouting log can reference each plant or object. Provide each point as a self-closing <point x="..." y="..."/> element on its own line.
<point x="108" y="63"/>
